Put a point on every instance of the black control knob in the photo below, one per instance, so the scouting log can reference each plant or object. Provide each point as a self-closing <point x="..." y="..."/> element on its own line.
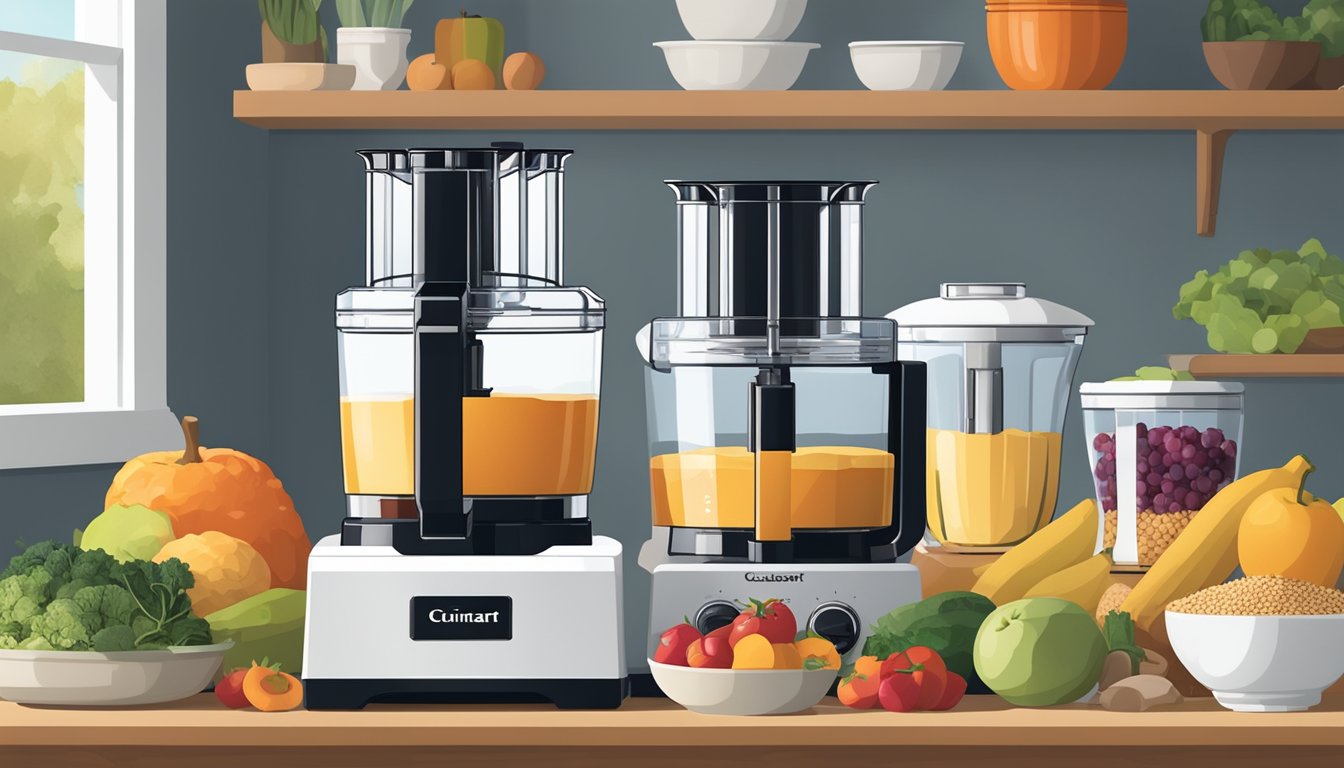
<point x="715" y="614"/>
<point x="838" y="623"/>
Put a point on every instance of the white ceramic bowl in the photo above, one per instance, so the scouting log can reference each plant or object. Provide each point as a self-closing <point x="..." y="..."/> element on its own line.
<point x="743" y="691"/>
<point x="741" y="19"/>
<point x="1260" y="663"/>
<point x="905" y="65"/>
<point x="124" y="678"/>
<point x="717" y="65"/>
<point x="300" y="76"/>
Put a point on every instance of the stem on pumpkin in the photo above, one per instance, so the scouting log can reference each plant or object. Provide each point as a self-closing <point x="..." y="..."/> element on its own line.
<point x="191" y="431"/>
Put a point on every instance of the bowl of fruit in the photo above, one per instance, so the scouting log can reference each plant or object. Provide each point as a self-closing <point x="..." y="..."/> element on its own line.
<point x="755" y="665"/>
<point x="1159" y="451"/>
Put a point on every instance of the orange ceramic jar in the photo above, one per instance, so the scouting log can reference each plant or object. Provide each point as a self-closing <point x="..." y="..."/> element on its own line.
<point x="1040" y="45"/>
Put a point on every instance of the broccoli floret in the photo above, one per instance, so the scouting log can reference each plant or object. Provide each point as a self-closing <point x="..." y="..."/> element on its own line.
<point x="30" y="558"/>
<point x="36" y="643"/>
<point x="62" y="625"/>
<point x="117" y="638"/>
<point x="95" y="567"/>
<point x="105" y="606"/>
<point x="21" y="598"/>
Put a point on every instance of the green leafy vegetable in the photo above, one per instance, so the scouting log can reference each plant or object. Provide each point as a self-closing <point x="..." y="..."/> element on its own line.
<point x="1118" y="629"/>
<point x="58" y="597"/>
<point x="1322" y="21"/>
<point x="1156" y="373"/>
<point x="1266" y="301"/>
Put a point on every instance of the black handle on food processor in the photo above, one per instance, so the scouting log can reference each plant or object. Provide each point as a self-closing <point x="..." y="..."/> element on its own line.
<point x="907" y="401"/>
<point x="443" y="347"/>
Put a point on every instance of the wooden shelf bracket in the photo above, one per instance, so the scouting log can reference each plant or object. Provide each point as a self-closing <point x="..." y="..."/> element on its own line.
<point x="1211" y="147"/>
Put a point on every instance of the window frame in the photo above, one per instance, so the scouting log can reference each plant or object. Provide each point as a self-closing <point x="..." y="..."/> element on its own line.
<point x="123" y="44"/>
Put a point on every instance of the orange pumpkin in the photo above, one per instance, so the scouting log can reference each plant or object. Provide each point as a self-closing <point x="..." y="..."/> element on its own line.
<point x="219" y="489"/>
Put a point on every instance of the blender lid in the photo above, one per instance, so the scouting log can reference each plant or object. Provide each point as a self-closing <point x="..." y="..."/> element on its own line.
<point x="724" y="192"/>
<point x="740" y="342"/>
<point x="1143" y="395"/>
<point x="988" y="312"/>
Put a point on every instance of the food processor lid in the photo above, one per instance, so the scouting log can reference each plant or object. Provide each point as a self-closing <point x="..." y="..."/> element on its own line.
<point x="988" y="312"/>
<point x="1139" y="395"/>
<point x="726" y="192"/>
<point x="525" y="305"/>
<point x="741" y="342"/>
<point x="454" y="159"/>
<point x="513" y="305"/>
<point x="377" y="309"/>
<point x="384" y="159"/>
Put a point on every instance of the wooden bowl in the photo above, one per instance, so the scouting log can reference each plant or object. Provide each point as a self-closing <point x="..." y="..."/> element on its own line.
<point x="300" y="76"/>
<point x="1058" y="44"/>
<point x="1262" y="65"/>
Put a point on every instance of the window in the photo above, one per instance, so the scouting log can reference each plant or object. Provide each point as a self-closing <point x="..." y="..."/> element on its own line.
<point x="82" y="231"/>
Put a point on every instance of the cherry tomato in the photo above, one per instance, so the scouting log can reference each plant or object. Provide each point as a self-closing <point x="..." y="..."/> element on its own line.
<point x="230" y="690"/>
<point x="673" y="644"/>
<point x="899" y="693"/>
<point x="771" y="619"/>
<point x="952" y="694"/>
<point x="925" y="667"/>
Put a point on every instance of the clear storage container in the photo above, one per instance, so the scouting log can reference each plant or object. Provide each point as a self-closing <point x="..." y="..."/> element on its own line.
<point x="532" y="429"/>
<point x="1158" y="452"/>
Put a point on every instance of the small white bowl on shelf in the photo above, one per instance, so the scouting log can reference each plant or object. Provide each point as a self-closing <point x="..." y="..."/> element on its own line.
<point x="721" y="65"/>
<point x="741" y="19"/>
<point x="743" y="691"/>
<point x="1260" y="663"/>
<point x="905" y="65"/>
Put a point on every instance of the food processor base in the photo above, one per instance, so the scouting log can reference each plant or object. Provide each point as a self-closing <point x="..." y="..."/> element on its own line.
<point x="838" y="600"/>
<point x="387" y="627"/>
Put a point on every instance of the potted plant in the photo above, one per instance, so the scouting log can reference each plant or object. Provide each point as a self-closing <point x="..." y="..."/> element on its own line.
<point x="290" y="32"/>
<point x="1323" y="22"/>
<point x="1249" y="47"/>
<point x="371" y="38"/>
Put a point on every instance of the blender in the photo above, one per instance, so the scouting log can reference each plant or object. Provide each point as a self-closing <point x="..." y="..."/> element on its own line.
<point x="470" y="379"/>
<point x="1001" y="367"/>
<point x="786" y="440"/>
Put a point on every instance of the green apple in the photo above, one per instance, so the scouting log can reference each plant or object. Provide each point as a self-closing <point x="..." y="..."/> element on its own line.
<point x="1040" y="652"/>
<point x="128" y="533"/>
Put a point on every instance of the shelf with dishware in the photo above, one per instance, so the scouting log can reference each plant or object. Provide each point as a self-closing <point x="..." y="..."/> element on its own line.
<point x="1213" y="115"/>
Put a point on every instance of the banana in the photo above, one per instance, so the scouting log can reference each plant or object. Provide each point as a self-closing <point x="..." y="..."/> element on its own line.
<point x="1083" y="583"/>
<point x="1205" y="553"/>
<point x="1069" y="540"/>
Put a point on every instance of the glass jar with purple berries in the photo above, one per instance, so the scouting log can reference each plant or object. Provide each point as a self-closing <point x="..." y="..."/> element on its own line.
<point x="1159" y="450"/>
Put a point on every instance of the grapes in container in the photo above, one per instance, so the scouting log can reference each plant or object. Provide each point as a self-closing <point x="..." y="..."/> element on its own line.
<point x="1159" y="451"/>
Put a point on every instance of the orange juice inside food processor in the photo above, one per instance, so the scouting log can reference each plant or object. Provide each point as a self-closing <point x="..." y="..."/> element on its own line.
<point x="1001" y="368"/>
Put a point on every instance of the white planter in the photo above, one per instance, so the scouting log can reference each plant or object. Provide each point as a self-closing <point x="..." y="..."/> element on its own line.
<point x="378" y="55"/>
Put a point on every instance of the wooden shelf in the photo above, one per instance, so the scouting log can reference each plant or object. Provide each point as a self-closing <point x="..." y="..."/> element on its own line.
<point x="656" y="732"/>
<point x="1213" y="115"/>
<point x="1216" y="366"/>
<point x="793" y="110"/>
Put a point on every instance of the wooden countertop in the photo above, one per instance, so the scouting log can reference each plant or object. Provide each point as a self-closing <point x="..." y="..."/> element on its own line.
<point x="657" y="732"/>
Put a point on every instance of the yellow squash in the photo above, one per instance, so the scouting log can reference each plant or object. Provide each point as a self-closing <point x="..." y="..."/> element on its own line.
<point x="1069" y="540"/>
<point x="1205" y="553"/>
<point x="1083" y="584"/>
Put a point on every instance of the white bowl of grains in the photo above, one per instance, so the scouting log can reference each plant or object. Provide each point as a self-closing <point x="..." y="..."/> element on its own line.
<point x="1262" y="643"/>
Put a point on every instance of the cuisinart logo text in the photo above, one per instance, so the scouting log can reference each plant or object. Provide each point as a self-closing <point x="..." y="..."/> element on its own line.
<point x="462" y="617"/>
<point x="774" y="577"/>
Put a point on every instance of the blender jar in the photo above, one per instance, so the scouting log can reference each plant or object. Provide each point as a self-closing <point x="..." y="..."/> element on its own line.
<point x="377" y="380"/>
<point x="389" y="214"/>
<point x="1000" y="369"/>
<point x="1158" y="451"/>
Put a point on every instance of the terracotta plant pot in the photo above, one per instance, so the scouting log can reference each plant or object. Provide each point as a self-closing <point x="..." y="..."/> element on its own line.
<point x="1323" y="341"/>
<point x="1058" y="44"/>
<point x="277" y="51"/>
<point x="1261" y="65"/>
<point x="1329" y="74"/>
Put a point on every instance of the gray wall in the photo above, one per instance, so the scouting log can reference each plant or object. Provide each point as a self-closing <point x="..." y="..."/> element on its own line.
<point x="265" y="228"/>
